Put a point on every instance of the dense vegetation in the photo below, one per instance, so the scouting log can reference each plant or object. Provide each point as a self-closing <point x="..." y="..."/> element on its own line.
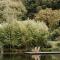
<point x="29" y="23"/>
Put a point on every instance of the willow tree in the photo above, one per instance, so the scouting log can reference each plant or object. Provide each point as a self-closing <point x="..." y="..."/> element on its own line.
<point x="11" y="10"/>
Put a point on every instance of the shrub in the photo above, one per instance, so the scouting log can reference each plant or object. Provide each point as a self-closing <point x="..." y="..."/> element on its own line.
<point x="58" y="44"/>
<point x="37" y="32"/>
<point x="55" y="34"/>
<point x="49" y="16"/>
<point x="24" y="33"/>
<point x="11" y="10"/>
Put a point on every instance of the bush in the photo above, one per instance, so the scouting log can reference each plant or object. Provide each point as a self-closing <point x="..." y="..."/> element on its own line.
<point x="49" y="16"/>
<point x="54" y="35"/>
<point x="11" y="10"/>
<point x="58" y="44"/>
<point x="24" y="33"/>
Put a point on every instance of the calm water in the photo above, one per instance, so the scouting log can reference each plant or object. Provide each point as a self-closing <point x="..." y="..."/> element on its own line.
<point x="29" y="57"/>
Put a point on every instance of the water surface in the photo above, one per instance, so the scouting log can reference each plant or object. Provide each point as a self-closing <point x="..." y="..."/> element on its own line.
<point x="29" y="57"/>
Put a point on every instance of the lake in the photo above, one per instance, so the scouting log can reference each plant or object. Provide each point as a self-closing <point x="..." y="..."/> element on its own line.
<point x="29" y="57"/>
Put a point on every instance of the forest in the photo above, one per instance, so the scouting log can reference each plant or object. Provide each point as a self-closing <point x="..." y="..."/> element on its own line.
<point x="25" y="24"/>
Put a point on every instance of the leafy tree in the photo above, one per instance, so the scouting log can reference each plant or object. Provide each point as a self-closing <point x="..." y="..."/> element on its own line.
<point x="31" y="7"/>
<point x="11" y="10"/>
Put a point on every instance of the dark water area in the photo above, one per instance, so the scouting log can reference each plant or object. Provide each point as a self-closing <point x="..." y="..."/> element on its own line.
<point x="29" y="57"/>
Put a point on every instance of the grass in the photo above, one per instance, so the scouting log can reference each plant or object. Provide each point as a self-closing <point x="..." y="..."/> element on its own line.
<point x="54" y="43"/>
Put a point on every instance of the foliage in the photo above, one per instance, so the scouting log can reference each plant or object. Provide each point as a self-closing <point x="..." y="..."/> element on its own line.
<point x="54" y="4"/>
<point x="31" y="7"/>
<point x="49" y="16"/>
<point x="55" y="34"/>
<point x="58" y="44"/>
<point x="42" y="22"/>
<point x="24" y="33"/>
<point x="38" y="33"/>
<point x="11" y="10"/>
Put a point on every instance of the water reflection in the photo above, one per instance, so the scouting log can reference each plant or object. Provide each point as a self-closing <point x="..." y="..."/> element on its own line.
<point x="36" y="57"/>
<point x="42" y="57"/>
<point x="29" y="57"/>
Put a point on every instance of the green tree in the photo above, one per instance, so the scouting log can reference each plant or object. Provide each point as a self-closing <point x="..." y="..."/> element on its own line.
<point x="11" y="10"/>
<point x="31" y="7"/>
